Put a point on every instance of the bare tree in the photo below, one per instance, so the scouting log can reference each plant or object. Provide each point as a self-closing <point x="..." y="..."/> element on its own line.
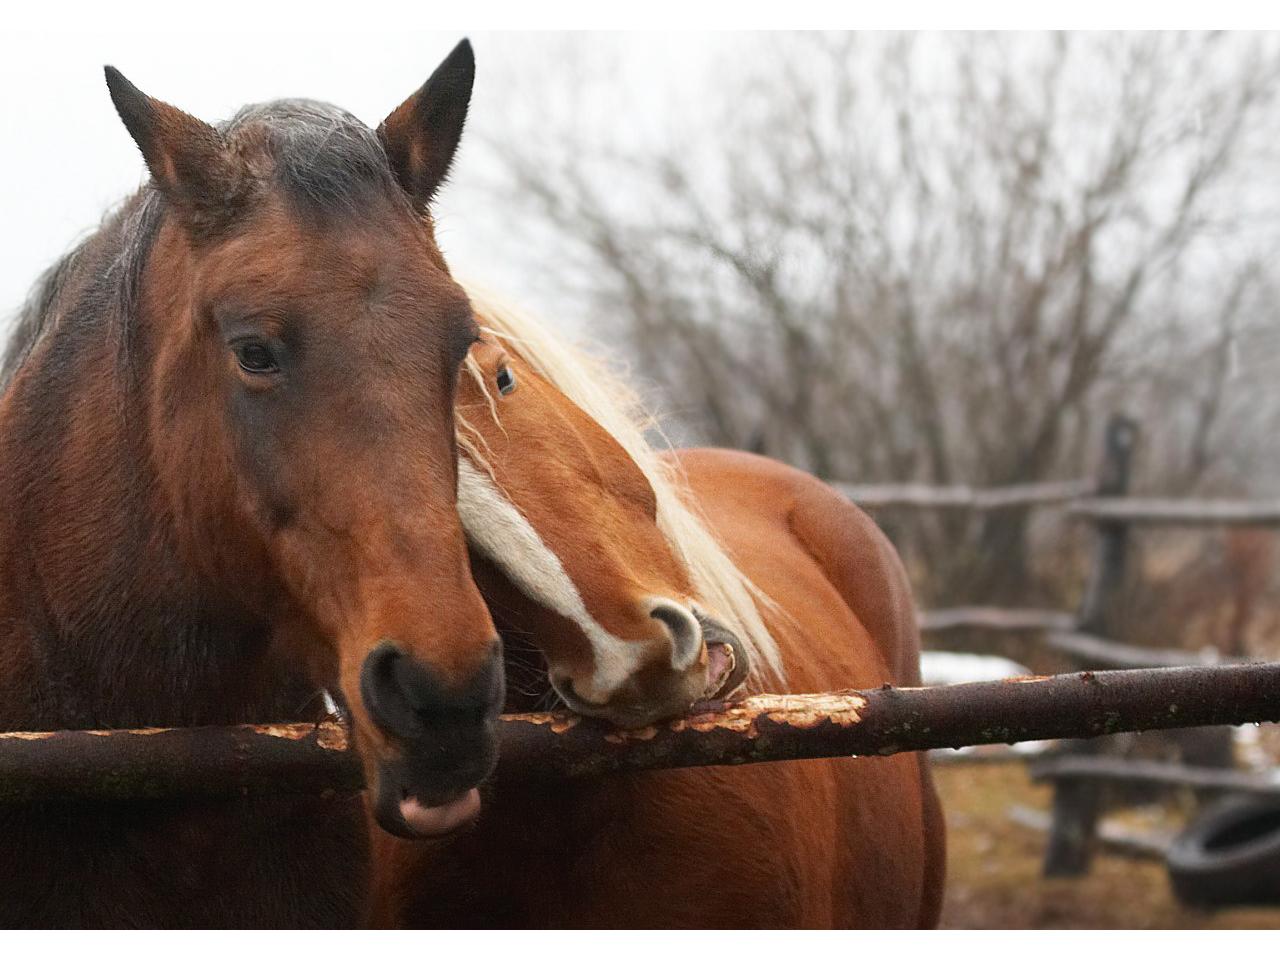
<point x="943" y="259"/>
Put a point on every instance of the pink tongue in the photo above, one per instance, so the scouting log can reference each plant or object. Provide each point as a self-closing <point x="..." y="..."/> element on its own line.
<point x="436" y="821"/>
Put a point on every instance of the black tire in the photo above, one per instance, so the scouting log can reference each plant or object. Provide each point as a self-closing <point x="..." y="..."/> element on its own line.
<point x="1229" y="855"/>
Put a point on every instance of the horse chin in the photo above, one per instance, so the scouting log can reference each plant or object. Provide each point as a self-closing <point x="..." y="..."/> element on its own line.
<point x="413" y="817"/>
<point x="624" y="715"/>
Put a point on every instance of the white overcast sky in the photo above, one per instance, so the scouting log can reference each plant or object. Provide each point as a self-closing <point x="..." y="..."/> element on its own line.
<point x="66" y="157"/>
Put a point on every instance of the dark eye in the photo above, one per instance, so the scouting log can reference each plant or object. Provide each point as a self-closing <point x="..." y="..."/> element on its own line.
<point x="256" y="357"/>
<point x="506" y="381"/>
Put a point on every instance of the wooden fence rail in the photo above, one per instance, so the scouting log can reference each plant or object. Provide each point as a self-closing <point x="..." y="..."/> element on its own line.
<point x="116" y="765"/>
<point x="880" y="496"/>
<point x="1140" y="511"/>
<point x="1128" y="770"/>
<point x="1077" y="497"/>
<point x="1058" y="631"/>
<point x="1085" y="637"/>
<point x="1099" y="653"/>
<point x="994" y="618"/>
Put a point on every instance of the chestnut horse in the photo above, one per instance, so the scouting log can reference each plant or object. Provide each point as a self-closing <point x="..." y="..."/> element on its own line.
<point x="229" y="460"/>
<point x="616" y="613"/>
<point x="818" y="600"/>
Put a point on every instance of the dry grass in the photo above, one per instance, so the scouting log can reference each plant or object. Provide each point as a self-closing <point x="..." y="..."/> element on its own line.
<point x="994" y="869"/>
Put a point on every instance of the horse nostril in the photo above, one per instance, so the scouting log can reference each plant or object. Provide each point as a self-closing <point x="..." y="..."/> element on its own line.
<point x="380" y="690"/>
<point x="407" y="698"/>
<point x="686" y="632"/>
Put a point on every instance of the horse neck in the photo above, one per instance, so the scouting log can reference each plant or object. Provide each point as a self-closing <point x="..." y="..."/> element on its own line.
<point x="106" y="626"/>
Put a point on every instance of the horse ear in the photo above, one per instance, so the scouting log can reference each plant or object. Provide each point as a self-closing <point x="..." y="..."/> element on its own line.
<point x="188" y="158"/>
<point x="421" y="135"/>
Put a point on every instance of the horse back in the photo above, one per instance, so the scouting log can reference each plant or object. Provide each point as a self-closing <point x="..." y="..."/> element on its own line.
<point x="821" y="559"/>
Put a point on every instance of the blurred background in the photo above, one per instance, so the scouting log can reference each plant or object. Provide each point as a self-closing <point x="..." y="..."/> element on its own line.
<point x="940" y="259"/>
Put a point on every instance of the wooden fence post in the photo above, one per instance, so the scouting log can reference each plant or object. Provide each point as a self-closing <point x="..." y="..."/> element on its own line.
<point x="1076" y="805"/>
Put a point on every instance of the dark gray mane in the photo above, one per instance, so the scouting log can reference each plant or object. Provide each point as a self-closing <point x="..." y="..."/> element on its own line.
<point x="325" y="161"/>
<point x="96" y="284"/>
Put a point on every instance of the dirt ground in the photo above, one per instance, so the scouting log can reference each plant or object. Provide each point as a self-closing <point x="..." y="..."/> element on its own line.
<point x="993" y="867"/>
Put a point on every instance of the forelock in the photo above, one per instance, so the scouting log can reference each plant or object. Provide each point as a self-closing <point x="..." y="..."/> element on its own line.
<point x="324" y="158"/>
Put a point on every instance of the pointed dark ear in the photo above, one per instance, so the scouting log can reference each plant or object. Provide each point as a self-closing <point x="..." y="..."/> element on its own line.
<point x="421" y="135"/>
<point x="188" y="158"/>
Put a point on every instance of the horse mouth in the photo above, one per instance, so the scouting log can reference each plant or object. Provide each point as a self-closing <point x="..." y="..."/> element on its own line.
<point x="721" y="664"/>
<point x="410" y="817"/>
<point x="407" y="807"/>
<point x="442" y="819"/>
<point x="727" y="662"/>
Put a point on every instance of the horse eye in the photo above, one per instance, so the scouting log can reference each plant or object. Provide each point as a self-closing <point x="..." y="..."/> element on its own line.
<point x="256" y="357"/>
<point x="506" y="381"/>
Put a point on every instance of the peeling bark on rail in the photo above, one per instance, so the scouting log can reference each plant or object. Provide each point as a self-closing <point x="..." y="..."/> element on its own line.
<point x="313" y="759"/>
<point x="163" y="763"/>
<point x="892" y="720"/>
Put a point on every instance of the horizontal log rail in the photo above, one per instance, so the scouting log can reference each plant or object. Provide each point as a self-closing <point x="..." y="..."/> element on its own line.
<point x="1133" y="770"/>
<point x="163" y="763"/>
<point x="1077" y="496"/>
<point x="1100" y="653"/>
<point x="1178" y="513"/>
<point x="892" y="720"/>
<point x="880" y="496"/>
<point x="994" y="618"/>
<point x="1059" y="634"/>
<point x="119" y="765"/>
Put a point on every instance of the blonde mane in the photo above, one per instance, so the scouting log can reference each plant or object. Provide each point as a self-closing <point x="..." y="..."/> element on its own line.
<point x="604" y="396"/>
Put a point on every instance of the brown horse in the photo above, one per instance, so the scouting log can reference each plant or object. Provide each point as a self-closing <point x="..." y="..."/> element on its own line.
<point x="229" y="461"/>
<point x="827" y="605"/>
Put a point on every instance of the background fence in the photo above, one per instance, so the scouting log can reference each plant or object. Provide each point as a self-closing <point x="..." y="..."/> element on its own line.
<point x="1086" y="637"/>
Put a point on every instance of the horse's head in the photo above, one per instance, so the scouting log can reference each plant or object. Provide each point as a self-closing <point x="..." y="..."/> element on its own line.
<point x="563" y="523"/>
<point x="303" y="338"/>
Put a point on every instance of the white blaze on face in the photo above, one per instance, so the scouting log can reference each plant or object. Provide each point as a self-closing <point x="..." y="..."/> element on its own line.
<point x="499" y="531"/>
